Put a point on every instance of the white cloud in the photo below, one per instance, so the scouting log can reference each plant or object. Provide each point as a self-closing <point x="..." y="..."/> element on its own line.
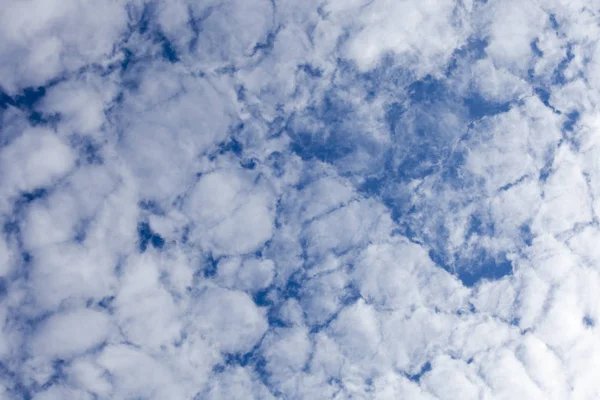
<point x="73" y="332"/>
<point x="56" y="393"/>
<point x="236" y="384"/>
<point x="252" y="274"/>
<point x="511" y="33"/>
<point x="43" y="40"/>
<point x="229" y="320"/>
<point x="286" y="352"/>
<point x="41" y="157"/>
<point x="233" y="215"/>
<point x="146" y="312"/>
<point x="135" y="374"/>
<point x="6" y="258"/>
<point x="236" y="199"/>
<point x="80" y="104"/>
<point x="423" y="34"/>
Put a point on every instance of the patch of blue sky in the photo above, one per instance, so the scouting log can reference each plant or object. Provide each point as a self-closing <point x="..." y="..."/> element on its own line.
<point x="149" y="238"/>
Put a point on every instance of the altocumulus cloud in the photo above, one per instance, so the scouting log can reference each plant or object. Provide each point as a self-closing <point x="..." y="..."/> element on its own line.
<point x="275" y="199"/>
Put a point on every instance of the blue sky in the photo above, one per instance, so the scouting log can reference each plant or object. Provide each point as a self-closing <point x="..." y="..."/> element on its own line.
<point x="299" y="200"/>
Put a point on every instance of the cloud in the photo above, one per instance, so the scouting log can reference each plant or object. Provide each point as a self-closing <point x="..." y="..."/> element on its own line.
<point x="237" y="215"/>
<point x="45" y="41"/>
<point x="70" y="333"/>
<point x="44" y="157"/>
<point x="274" y="199"/>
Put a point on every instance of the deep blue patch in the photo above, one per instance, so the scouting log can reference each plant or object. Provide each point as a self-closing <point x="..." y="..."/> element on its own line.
<point x="419" y="163"/>
<point x="477" y="226"/>
<point x="196" y="24"/>
<point x="248" y="164"/>
<point x="143" y="23"/>
<point x="227" y="70"/>
<point x="146" y="27"/>
<point x="329" y="144"/>
<point x="26" y="257"/>
<point x="393" y="114"/>
<point x="3" y="287"/>
<point x="260" y="367"/>
<point x="89" y="151"/>
<point x="588" y="321"/>
<point x="241" y="359"/>
<point x="151" y="206"/>
<point x="470" y="310"/>
<point x="332" y="111"/>
<point x="168" y="51"/>
<point x="29" y="97"/>
<point x="58" y="374"/>
<point x="310" y="70"/>
<point x="452" y="173"/>
<point x="510" y="185"/>
<point x="128" y="59"/>
<point x="185" y="234"/>
<point x="147" y="236"/>
<point x="39" y="193"/>
<point x="547" y="168"/>
<point x="385" y="78"/>
<point x="369" y="385"/>
<point x="275" y="320"/>
<point x="261" y="298"/>
<point x="279" y="124"/>
<point x="474" y="269"/>
<point x="259" y="253"/>
<point x="544" y="96"/>
<point x="553" y="22"/>
<point x="308" y="145"/>
<point x="472" y="51"/>
<point x="375" y="186"/>
<point x="233" y="145"/>
<point x="417" y="377"/>
<point x="335" y="381"/>
<point x="535" y="49"/>
<point x="351" y="295"/>
<point x="422" y="144"/>
<point x="267" y="45"/>
<point x="240" y="93"/>
<point x="251" y="357"/>
<point x="293" y="286"/>
<point x="487" y="268"/>
<point x="478" y="107"/>
<point x="16" y="389"/>
<point x="428" y="90"/>
<point x="25" y="101"/>
<point x="558" y="77"/>
<point x="5" y="100"/>
<point x="437" y="258"/>
<point x="526" y="234"/>
<point x="572" y="119"/>
<point x="210" y="267"/>
<point x="422" y="141"/>
<point x="81" y="231"/>
<point x="106" y="302"/>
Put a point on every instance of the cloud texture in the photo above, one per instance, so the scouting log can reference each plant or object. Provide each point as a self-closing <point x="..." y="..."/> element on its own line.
<point x="284" y="199"/>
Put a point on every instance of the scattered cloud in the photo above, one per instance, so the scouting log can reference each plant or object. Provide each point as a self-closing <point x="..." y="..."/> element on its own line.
<point x="274" y="199"/>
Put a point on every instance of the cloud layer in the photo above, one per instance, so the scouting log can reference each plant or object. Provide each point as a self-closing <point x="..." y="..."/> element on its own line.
<point x="272" y="199"/>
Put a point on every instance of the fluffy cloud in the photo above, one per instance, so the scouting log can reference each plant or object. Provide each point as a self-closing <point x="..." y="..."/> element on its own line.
<point x="71" y="333"/>
<point x="277" y="199"/>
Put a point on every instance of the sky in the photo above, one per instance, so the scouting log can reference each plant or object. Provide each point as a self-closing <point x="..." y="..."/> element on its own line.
<point x="276" y="199"/>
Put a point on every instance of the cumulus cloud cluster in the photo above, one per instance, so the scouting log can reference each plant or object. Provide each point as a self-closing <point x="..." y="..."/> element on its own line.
<point x="260" y="199"/>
